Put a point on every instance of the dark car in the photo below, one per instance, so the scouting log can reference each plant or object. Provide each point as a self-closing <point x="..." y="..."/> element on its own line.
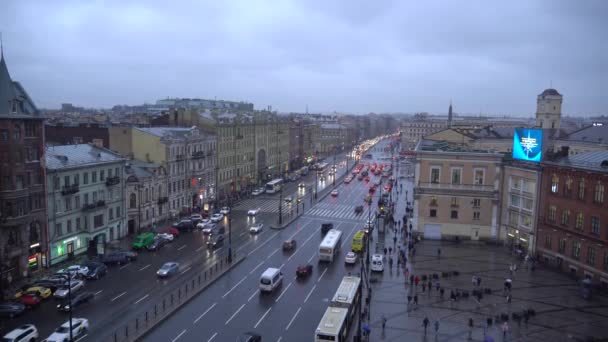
<point x="249" y="337"/>
<point x="171" y="230"/>
<point x="289" y="245"/>
<point x="358" y="209"/>
<point x="303" y="271"/>
<point x="157" y="244"/>
<point x="11" y="309"/>
<point x="77" y="300"/>
<point x="96" y="270"/>
<point x="118" y="258"/>
<point x="325" y="227"/>
<point x="184" y="225"/>
<point x="216" y="241"/>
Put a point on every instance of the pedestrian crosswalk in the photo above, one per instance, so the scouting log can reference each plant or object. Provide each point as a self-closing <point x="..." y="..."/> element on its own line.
<point x="266" y="206"/>
<point x="338" y="211"/>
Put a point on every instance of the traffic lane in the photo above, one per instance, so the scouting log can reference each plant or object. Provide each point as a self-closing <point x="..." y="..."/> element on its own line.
<point x="251" y="267"/>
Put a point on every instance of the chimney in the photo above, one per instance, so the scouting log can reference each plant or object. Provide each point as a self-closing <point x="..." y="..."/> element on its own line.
<point x="565" y="151"/>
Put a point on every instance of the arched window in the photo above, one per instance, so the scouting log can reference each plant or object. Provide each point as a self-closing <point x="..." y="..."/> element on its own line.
<point x="132" y="201"/>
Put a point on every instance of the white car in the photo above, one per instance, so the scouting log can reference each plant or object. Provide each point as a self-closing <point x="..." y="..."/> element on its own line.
<point x="62" y="334"/>
<point x="203" y="223"/>
<point x="334" y="193"/>
<point x="217" y="217"/>
<point x="209" y="228"/>
<point x="350" y="258"/>
<point x="196" y="217"/>
<point x="256" y="228"/>
<point x="62" y="291"/>
<point x="253" y="212"/>
<point x="166" y="236"/>
<point x="78" y="270"/>
<point x="225" y="211"/>
<point x="258" y="191"/>
<point x="26" y="332"/>
<point x="302" y="185"/>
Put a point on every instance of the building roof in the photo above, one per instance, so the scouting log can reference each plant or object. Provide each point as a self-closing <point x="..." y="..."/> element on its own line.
<point x="550" y="91"/>
<point x="332" y="126"/>
<point x="594" y="161"/>
<point x="79" y="155"/>
<point x="140" y="169"/>
<point x="426" y="145"/>
<point x="11" y="91"/>
<point x="591" y="134"/>
<point x="165" y="131"/>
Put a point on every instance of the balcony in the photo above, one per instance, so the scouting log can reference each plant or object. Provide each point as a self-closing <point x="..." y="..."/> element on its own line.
<point x="69" y="189"/>
<point x="198" y="155"/>
<point x="163" y="200"/>
<point x="112" y="180"/>
<point x="180" y="157"/>
<point x="93" y="206"/>
<point x="455" y="189"/>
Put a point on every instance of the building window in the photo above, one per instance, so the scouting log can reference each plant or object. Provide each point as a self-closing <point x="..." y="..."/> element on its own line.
<point x="433" y="201"/>
<point x="85" y="178"/>
<point x="478" y="177"/>
<point x="526" y="220"/>
<point x="515" y="200"/>
<point x="93" y="176"/>
<point x="554" y="184"/>
<point x="456" y="176"/>
<point x="576" y="250"/>
<point x="598" y="194"/>
<point x="476" y="215"/>
<point x="527" y="204"/>
<point x="568" y="187"/>
<point x="561" y="247"/>
<point x="68" y="204"/>
<point x="580" y="220"/>
<point x="435" y="174"/>
<point x="514" y="183"/>
<point x="606" y="261"/>
<point x="78" y="227"/>
<point x="98" y="221"/>
<point x="565" y="217"/>
<point x="110" y="213"/>
<point x="17" y="133"/>
<point x="581" y="189"/>
<point x="591" y="256"/>
<point x="548" y="242"/>
<point x="476" y="202"/>
<point x="551" y="215"/>
<point x="58" y="229"/>
<point x="117" y="211"/>
<point x="454" y="202"/>
<point x="454" y="214"/>
<point x="595" y="225"/>
<point x="132" y="201"/>
<point x="102" y="175"/>
<point x="69" y="226"/>
<point x="433" y="213"/>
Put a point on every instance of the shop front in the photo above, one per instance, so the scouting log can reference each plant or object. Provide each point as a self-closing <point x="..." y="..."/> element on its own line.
<point x="68" y="248"/>
<point x="518" y="240"/>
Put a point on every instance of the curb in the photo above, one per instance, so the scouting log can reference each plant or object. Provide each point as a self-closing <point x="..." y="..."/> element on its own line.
<point x="285" y="224"/>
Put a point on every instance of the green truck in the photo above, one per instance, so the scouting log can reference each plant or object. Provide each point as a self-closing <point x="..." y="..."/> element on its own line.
<point x="143" y="240"/>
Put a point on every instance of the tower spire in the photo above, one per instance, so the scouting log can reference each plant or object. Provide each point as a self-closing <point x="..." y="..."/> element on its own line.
<point x="450" y="115"/>
<point x="1" y="46"/>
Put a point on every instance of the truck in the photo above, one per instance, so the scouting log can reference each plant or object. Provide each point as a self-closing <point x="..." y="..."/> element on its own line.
<point x="143" y="240"/>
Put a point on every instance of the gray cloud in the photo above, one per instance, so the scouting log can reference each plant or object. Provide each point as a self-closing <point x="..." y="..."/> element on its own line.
<point x="352" y="56"/>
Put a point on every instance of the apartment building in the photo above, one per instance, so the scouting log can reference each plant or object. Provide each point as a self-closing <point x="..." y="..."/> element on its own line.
<point x="147" y="195"/>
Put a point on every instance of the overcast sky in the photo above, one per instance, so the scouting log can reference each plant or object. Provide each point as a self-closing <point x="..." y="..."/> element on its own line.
<point x="354" y="56"/>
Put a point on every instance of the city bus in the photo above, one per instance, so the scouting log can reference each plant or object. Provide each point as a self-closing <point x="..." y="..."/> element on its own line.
<point x="274" y="186"/>
<point x="330" y="246"/>
<point x="333" y="326"/>
<point x="348" y="296"/>
<point x="358" y="241"/>
<point x="341" y="313"/>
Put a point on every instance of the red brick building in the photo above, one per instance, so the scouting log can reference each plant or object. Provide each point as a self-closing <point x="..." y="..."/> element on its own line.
<point x="573" y="215"/>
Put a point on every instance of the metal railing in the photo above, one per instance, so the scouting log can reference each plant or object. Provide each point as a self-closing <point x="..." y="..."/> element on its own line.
<point x="449" y="186"/>
<point x="70" y="189"/>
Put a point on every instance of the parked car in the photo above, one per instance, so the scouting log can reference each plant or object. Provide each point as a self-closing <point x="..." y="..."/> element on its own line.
<point x="217" y="217"/>
<point x="168" y="269"/>
<point x="256" y="228"/>
<point x="143" y="240"/>
<point x="350" y="258"/>
<point x="39" y="291"/>
<point x="249" y="337"/>
<point x="62" y="334"/>
<point x="302" y="185"/>
<point x="288" y="199"/>
<point x="225" y="210"/>
<point x="304" y="271"/>
<point x="75" y="285"/>
<point x="157" y="244"/>
<point x="196" y="218"/>
<point x="165" y="236"/>
<point x="347" y="180"/>
<point x="183" y="225"/>
<point x="325" y="227"/>
<point x="53" y="285"/>
<point x="79" y="270"/>
<point x="77" y="300"/>
<point x="289" y="245"/>
<point x="216" y="241"/>
<point x="334" y="192"/>
<point x="203" y="223"/>
<point x="25" y="333"/>
<point x="118" y="258"/>
<point x="96" y="270"/>
<point x="253" y="212"/>
<point x="258" y="191"/>
<point x="11" y="309"/>
<point x="171" y="230"/>
<point x="30" y="300"/>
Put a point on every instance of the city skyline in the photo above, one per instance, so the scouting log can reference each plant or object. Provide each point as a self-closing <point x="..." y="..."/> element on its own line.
<point x="352" y="59"/>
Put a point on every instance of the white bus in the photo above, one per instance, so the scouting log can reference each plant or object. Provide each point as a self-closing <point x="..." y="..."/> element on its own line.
<point x="330" y="246"/>
<point x="322" y="166"/>
<point x="274" y="186"/>
<point x="348" y="296"/>
<point x="332" y="326"/>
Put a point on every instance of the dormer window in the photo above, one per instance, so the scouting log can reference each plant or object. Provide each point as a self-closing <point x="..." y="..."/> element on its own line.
<point x="14" y="107"/>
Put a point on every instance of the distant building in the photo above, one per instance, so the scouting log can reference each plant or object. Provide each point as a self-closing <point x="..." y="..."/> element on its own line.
<point x="81" y="134"/>
<point x="549" y="109"/>
<point x="205" y="104"/>
<point x="147" y="195"/>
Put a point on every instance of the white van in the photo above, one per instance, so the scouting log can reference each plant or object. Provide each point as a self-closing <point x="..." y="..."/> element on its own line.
<point x="270" y="279"/>
<point x="377" y="263"/>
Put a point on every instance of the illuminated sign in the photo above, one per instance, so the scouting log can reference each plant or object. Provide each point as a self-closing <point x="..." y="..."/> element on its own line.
<point x="528" y="144"/>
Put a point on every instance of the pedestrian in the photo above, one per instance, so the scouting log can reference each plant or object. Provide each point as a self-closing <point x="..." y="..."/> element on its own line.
<point x="437" y="286"/>
<point x="416" y="300"/>
<point x="470" y="328"/>
<point x="438" y="253"/>
<point x="390" y="263"/>
<point x="411" y="277"/>
<point x="505" y="330"/>
<point x="395" y="240"/>
<point x="409" y="299"/>
<point x="441" y="291"/>
<point x="509" y="298"/>
<point x="478" y="281"/>
<point x="385" y="250"/>
<point x="425" y="323"/>
<point x="474" y="280"/>
<point x="452" y="295"/>
<point x="383" y="323"/>
<point x="417" y="280"/>
<point x="390" y="250"/>
<point x="436" y="326"/>
<point x="398" y="262"/>
<point x="414" y="251"/>
<point x="423" y="286"/>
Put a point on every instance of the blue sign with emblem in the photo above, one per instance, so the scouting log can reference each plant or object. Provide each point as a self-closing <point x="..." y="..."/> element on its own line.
<point x="528" y="144"/>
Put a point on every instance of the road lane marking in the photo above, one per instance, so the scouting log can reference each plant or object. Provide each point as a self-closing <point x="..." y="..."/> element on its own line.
<point x="271" y="254"/>
<point x="243" y="233"/>
<point x="309" y="293"/>
<point x="178" y="336"/>
<point x="182" y="247"/>
<point x="186" y="270"/>
<point x="199" y="249"/>
<point x="82" y="337"/>
<point x="143" y="268"/>
<point x="260" y="321"/>
<point x="234" y="287"/>
<point x="280" y="338"/>
<point x="253" y="270"/>
<point x="322" y="274"/>
<point x="234" y="314"/>
<point x="212" y="337"/>
<point x="312" y="256"/>
<point x="140" y="299"/>
<point x="120" y="295"/>
<point x="282" y="293"/>
<point x="125" y="266"/>
<point x="283" y="264"/>
<point x="204" y="313"/>
<point x="262" y="245"/>
<point x="98" y="292"/>
<point x="256" y="292"/>
<point x="294" y="317"/>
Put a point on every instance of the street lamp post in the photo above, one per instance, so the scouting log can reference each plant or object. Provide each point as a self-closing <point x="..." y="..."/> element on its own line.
<point x="334" y="170"/>
<point x="229" y="237"/>
<point x="69" y="278"/>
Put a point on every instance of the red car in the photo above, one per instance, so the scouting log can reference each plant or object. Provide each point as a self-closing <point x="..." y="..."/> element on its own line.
<point x="304" y="271"/>
<point x="172" y="231"/>
<point x="30" y="300"/>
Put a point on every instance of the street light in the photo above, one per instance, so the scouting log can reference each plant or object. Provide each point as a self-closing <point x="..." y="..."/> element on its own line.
<point x="69" y="278"/>
<point x="229" y="237"/>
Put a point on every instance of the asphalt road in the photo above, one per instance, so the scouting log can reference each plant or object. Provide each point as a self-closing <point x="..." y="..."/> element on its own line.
<point x="233" y="304"/>
<point x="135" y="284"/>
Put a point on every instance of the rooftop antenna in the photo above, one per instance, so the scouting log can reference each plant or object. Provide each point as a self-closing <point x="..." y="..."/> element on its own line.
<point x="1" y="46"/>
